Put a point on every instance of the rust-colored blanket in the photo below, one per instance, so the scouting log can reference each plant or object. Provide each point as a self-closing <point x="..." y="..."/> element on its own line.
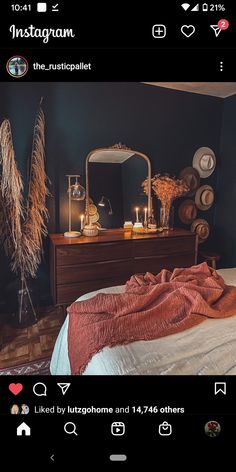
<point x="151" y="307"/>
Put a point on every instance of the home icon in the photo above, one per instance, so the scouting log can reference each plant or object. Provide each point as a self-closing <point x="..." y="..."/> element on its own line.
<point x="23" y="430"/>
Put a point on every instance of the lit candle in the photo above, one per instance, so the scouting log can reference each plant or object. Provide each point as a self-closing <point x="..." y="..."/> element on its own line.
<point x="136" y="209"/>
<point x="145" y="216"/>
<point x="82" y="222"/>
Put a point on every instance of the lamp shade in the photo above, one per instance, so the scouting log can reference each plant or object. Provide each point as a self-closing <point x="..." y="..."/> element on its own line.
<point x="77" y="191"/>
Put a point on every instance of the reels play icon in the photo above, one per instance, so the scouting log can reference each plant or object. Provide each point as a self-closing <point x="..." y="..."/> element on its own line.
<point x="118" y="429"/>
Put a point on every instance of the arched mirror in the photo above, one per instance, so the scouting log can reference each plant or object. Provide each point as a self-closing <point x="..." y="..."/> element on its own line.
<point x="114" y="177"/>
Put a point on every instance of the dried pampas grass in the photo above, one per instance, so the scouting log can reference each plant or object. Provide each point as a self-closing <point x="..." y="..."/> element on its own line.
<point x="11" y="193"/>
<point x="23" y="226"/>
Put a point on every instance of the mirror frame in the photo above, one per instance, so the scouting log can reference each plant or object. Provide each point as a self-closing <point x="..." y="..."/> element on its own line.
<point x="127" y="150"/>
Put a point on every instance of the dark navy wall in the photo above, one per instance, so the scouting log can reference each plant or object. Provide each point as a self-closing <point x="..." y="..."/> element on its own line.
<point x="167" y="125"/>
<point x="225" y="222"/>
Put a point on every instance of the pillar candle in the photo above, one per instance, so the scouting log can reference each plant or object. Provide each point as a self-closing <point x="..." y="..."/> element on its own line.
<point x="82" y="222"/>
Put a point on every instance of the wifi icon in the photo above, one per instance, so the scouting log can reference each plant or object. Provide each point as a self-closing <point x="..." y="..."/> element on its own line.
<point x="185" y="6"/>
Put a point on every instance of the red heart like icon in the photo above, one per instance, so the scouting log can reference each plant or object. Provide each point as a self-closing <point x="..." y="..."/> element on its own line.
<point x="15" y="388"/>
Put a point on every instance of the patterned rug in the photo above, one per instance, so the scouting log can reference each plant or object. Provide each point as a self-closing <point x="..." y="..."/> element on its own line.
<point x="40" y="367"/>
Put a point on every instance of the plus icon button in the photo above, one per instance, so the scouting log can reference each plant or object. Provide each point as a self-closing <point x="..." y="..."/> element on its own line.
<point x="159" y="31"/>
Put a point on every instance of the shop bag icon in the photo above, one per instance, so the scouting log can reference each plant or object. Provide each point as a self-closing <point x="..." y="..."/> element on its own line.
<point x="165" y="429"/>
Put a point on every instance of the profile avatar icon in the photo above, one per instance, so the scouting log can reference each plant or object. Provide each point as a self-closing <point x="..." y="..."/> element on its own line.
<point x="17" y="66"/>
<point x="15" y="410"/>
<point x="212" y="429"/>
<point x="24" y="409"/>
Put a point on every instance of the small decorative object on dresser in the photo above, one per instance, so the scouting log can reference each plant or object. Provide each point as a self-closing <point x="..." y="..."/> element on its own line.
<point x="166" y="220"/>
<point x="138" y="227"/>
<point x="167" y="189"/>
<point x="90" y="230"/>
<point x="128" y="225"/>
<point x="152" y="223"/>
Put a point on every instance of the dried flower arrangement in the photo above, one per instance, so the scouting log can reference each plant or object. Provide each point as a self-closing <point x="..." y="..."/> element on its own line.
<point x="23" y="222"/>
<point x="166" y="189"/>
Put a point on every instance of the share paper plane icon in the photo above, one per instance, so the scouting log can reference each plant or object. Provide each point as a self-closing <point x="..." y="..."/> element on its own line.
<point x="216" y="30"/>
<point x="64" y="387"/>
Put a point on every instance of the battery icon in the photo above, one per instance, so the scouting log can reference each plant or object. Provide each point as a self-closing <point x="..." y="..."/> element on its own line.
<point x="205" y="7"/>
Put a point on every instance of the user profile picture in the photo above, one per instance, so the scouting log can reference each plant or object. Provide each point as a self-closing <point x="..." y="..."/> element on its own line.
<point x="15" y="410"/>
<point x="17" y="66"/>
<point x="24" y="409"/>
<point x="212" y="429"/>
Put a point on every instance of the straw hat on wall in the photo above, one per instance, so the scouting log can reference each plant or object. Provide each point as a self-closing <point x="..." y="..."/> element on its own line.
<point x="187" y="211"/>
<point x="204" y="197"/>
<point x="192" y="178"/>
<point x="204" y="161"/>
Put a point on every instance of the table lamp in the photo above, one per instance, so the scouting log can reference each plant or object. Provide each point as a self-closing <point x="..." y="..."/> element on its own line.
<point x="75" y="192"/>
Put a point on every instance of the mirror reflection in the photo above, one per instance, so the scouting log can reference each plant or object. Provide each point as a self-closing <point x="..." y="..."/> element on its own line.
<point x="116" y="190"/>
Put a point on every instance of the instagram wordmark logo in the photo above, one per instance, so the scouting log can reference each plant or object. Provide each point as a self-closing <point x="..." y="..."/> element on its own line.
<point x="45" y="34"/>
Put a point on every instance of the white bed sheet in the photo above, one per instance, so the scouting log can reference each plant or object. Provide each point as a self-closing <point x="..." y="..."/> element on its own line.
<point x="206" y="349"/>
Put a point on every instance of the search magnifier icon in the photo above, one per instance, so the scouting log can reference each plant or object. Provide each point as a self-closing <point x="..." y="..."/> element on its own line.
<point x="70" y="428"/>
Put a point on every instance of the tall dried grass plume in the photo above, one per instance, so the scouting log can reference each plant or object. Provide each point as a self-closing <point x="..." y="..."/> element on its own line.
<point x="23" y="222"/>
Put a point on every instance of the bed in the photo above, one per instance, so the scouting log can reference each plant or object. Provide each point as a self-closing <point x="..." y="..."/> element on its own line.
<point x="206" y="349"/>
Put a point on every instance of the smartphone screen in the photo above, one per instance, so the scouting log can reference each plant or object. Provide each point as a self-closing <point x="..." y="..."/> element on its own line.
<point x="117" y="232"/>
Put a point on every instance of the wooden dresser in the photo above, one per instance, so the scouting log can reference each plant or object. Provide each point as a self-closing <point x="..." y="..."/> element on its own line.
<point x="81" y="265"/>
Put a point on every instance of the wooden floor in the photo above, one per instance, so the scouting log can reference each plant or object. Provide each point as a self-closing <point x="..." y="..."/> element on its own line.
<point x="18" y="346"/>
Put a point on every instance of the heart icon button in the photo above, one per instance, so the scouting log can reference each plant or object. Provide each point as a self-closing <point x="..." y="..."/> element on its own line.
<point x="188" y="30"/>
<point x="15" y="388"/>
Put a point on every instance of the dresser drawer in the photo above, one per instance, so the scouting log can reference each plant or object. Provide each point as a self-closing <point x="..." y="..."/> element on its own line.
<point x="82" y="253"/>
<point x="163" y="246"/>
<point x="96" y="271"/>
<point x="156" y="264"/>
